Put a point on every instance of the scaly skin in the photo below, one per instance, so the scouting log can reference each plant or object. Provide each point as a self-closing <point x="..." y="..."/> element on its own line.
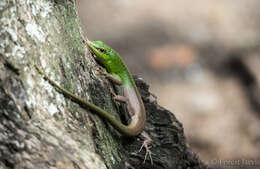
<point x="116" y="67"/>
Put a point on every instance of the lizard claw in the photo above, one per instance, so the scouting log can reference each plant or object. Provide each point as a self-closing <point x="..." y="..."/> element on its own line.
<point x="145" y="145"/>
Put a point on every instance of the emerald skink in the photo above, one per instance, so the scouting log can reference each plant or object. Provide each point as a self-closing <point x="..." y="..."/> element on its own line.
<point x="119" y="73"/>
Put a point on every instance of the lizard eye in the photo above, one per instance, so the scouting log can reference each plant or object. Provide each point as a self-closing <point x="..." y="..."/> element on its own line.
<point x="101" y="50"/>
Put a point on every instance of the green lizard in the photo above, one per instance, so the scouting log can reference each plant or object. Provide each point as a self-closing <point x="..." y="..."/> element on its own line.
<point x="120" y="75"/>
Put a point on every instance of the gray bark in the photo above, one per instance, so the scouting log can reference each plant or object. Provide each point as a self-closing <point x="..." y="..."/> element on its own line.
<point x="39" y="127"/>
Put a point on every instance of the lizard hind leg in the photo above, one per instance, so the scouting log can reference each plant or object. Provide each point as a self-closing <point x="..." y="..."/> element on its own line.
<point x="146" y="144"/>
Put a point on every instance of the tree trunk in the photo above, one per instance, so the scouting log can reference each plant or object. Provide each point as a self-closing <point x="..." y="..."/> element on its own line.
<point x="40" y="128"/>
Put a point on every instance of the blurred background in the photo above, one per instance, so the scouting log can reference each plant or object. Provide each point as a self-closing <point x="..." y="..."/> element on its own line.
<point x="202" y="60"/>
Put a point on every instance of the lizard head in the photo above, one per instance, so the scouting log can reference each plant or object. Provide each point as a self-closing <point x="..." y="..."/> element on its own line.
<point x="105" y="54"/>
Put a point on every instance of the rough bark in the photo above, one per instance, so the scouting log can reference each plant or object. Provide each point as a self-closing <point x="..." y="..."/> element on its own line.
<point x="40" y="128"/>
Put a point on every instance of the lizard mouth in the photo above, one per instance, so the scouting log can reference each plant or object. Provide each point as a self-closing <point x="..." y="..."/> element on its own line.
<point x="93" y="46"/>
